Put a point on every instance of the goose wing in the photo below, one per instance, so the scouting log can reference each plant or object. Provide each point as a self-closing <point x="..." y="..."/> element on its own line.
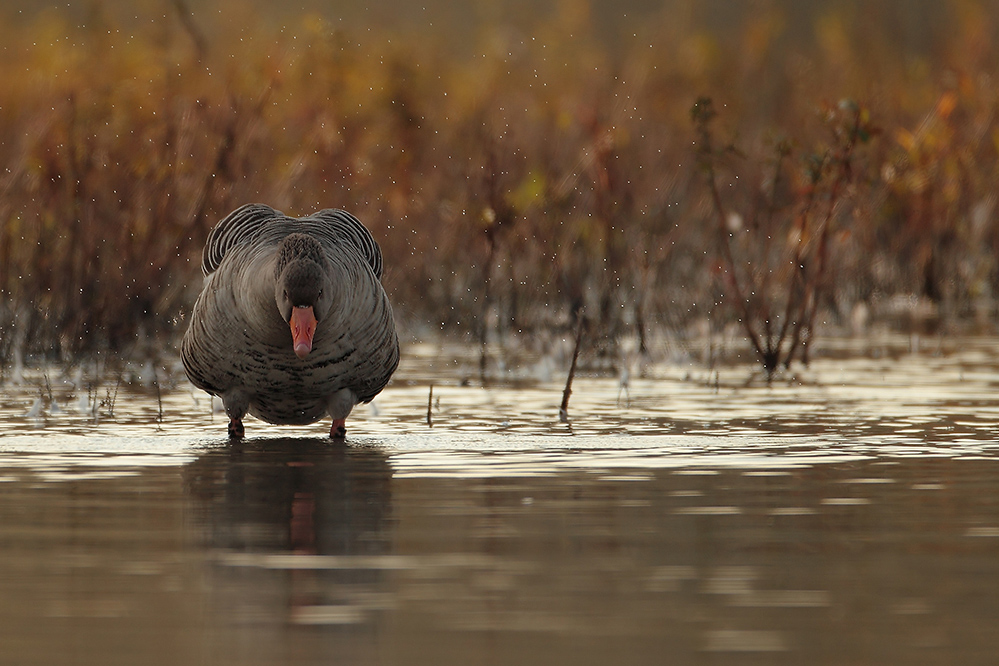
<point x="239" y="226"/>
<point x="333" y="224"/>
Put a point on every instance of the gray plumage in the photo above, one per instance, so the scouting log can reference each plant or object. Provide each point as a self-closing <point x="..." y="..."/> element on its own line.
<point x="260" y="264"/>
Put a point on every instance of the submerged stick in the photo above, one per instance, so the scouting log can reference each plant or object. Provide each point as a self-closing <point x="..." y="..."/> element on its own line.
<point x="430" y="403"/>
<point x="563" y="410"/>
<point x="159" y="396"/>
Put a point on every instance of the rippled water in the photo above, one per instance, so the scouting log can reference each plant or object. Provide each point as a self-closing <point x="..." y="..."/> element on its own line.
<point x="847" y="515"/>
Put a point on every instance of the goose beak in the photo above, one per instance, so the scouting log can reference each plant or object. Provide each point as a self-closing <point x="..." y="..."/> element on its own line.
<point x="303" y="327"/>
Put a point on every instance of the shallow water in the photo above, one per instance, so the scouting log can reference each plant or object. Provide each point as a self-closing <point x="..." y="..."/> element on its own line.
<point x="848" y="515"/>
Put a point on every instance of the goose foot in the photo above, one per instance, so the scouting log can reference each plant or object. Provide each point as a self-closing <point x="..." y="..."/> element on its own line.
<point x="339" y="429"/>
<point x="236" y="429"/>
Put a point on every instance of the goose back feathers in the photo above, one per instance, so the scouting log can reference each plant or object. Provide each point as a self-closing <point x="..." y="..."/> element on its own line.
<point x="292" y="323"/>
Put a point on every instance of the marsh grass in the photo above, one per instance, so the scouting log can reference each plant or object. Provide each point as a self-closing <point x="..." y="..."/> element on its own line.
<point x="513" y="183"/>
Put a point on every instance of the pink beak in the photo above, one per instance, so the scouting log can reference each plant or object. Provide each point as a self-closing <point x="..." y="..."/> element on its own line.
<point x="303" y="327"/>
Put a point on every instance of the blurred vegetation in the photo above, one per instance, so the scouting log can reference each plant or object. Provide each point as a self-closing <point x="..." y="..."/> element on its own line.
<point x="777" y="290"/>
<point x="540" y="169"/>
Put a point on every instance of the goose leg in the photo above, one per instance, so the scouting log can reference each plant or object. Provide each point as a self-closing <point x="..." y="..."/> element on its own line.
<point x="236" y="404"/>
<point x="339" y="406"/>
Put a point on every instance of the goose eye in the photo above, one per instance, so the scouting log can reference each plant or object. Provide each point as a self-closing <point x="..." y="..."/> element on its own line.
<point x="320" y="293"/>
<point x="286" y="294"/>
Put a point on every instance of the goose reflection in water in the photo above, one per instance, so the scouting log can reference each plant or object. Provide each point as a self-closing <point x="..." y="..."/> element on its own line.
<point x="294" y="522"/>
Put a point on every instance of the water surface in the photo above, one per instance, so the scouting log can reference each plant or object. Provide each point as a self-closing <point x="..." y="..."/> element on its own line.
<point x="846" y="515"/>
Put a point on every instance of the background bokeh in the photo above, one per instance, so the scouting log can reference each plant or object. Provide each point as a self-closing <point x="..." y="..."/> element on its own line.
<point x="519" y="162"/>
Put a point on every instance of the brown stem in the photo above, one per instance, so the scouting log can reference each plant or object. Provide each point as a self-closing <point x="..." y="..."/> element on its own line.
<point x="563" y="410"/>
<point x="430" y="403"/>
<point x="774" y="344"/>
<point x="705" y="150"/>
<point x="795" y="309"/>
<point x="817" y="283"/>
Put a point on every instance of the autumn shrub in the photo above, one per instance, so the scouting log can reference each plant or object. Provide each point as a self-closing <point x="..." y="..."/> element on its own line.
<point x="529" y="175"/>
<point x="776" y="235"/>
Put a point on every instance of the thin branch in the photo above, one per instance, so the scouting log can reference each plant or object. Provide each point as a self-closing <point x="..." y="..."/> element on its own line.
<point x="843" y="175"/>
<point x="563" y="410"/>
<point x="702" y="114"/>
<point x="773" y="344"/>
<point x="795" y="309"/>
<point x="430" y="403"/>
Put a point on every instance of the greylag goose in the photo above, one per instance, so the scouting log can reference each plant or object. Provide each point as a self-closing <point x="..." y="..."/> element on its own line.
<point x="292" y="323"/>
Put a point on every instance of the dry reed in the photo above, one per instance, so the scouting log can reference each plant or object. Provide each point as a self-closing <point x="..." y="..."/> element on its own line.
<point x="510" y="185"/>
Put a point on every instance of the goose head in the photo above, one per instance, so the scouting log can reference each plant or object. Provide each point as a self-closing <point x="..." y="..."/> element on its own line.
<point x="302" y="288"/>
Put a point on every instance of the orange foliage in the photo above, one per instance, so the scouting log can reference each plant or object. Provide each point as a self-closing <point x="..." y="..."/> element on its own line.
<point x="546" y="161"/>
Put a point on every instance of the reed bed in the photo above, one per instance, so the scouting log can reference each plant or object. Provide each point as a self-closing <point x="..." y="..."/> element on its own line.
<point x="514" y="182"/>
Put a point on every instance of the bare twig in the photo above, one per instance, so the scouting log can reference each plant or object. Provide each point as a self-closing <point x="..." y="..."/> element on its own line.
<point x="774" y="343"/>
<point x="498" y="218"/>
<point x="159" y="396"/>
<point x="563" y="410"/>
<point x="111" y="398"/>
<point x="797" y="289"/>
<point x="844" y="173"/>
<point x="48" y="387"/>
<point x="430" y="405"/>
<point x="702" y="114"/>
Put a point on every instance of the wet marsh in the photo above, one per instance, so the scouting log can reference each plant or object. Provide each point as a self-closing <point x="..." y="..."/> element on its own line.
<point x="847" y="515"/>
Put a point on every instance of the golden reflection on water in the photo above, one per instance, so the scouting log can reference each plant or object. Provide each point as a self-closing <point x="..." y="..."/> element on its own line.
<point x="858" y="395"/>
<point x="848" y="517"/>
